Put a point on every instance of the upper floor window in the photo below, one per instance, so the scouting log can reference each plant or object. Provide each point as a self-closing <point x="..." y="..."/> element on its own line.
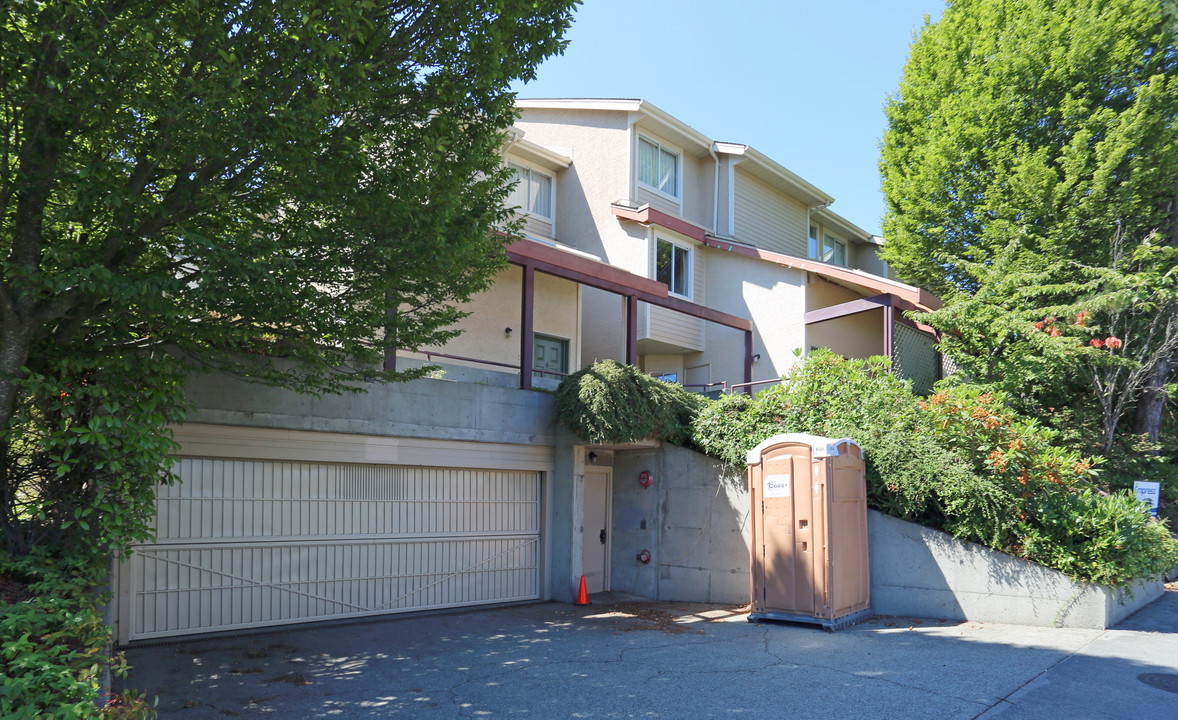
<point x="658" y="167"/>
<point x="826" y="247"/>
<point x="532" y="193"/>
<point x="672" y="266"/>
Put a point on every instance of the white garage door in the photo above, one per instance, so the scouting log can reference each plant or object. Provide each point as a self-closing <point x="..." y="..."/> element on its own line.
<point x="250" y="543"/>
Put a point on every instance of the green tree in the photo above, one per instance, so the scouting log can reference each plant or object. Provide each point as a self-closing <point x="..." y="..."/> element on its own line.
<point x="1039" y="137"/>
<point x="283" y="190"/>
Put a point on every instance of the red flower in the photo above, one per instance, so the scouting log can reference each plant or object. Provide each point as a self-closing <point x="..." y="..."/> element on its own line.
<point x="1096" y="342"/>
<point x="1113" y="343"/>
<point x="1055" y="331"/>
<point x="1039" y="325"/>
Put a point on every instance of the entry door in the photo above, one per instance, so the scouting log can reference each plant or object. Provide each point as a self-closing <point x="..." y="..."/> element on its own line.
<point x="549" y="353"/>
<point x="787" y="533"/>
<point x="596" y="540"/>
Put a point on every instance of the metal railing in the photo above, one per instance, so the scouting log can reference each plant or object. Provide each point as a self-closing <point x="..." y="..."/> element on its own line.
<point x="704" y="387"/>
<point x="732" y="388"/>
<point x="430" y="355"/>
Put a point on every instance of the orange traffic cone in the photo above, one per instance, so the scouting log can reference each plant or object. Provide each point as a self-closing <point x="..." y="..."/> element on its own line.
<point x="582" y="594"/>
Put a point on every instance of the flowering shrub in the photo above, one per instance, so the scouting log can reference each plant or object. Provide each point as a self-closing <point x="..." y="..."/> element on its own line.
<point x="1017" y="452"/>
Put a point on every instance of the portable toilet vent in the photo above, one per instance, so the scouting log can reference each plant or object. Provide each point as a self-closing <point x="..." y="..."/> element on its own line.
<point x="809" y="511"/>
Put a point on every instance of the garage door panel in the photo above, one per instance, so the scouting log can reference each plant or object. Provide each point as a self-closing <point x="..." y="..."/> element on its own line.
<point x="256" y="543"/>
<point x="294" y="500"/>
<point x="187" y="589"/>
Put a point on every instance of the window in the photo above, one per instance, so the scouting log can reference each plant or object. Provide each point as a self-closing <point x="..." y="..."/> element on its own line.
<point x="532" y="193"/>
<point x="672" y="266"/>
<point x="658" y="167"/>
<point x="833" y="250"/>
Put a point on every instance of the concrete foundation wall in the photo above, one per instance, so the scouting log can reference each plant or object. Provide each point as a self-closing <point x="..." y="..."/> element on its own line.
<point x="917" y="571"/>
<point x="436" y="409"/>
<point x="694" y="521"/>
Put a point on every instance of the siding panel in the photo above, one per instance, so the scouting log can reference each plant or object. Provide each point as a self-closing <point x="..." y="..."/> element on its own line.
<point x="768" y="219"/>
<point x="656" y="200"/>
<point x="671" y="327"/>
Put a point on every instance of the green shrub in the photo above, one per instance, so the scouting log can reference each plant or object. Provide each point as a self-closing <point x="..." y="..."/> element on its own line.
<point x="54" y="645"/>
<point x="963" y="462"/>
<point x="1105" y="539"/>
<point x="826" y="395"/>
<point x="609" y="402"/>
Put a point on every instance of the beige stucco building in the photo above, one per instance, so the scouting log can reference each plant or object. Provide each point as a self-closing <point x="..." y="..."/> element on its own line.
<point x="723" y="227"/>
<point x="701" y="261"/>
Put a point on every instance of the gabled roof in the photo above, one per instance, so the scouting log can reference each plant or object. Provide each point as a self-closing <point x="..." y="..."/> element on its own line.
<point x="762" y="166"/>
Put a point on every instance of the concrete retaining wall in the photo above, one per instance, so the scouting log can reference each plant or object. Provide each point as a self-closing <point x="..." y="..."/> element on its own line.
<point x="921" y="572"/>
<point x="428" y="408"/>
<point x="694" y="521"/>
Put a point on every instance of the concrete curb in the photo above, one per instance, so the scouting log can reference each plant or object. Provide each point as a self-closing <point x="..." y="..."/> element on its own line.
<point x="921" y="572"/>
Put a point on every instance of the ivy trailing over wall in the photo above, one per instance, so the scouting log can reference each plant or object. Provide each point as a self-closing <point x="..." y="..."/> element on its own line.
<point x="609" y="402"/>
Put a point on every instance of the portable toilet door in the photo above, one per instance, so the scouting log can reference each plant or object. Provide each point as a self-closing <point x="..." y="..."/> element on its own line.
<point x="809" y="513"/>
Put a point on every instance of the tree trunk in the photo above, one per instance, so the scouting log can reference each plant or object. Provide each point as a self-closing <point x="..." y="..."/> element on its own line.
<point x="1152" y="401"/>
<point x="14" y="355"/>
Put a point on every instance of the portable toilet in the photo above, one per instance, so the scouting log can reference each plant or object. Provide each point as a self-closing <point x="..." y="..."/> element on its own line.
<point x="808" y="498"/>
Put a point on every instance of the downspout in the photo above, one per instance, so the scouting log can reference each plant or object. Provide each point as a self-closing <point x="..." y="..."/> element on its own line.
<point x="513" y="137"/>
<point x="631" y="166"/>
<point x="810" y="209"/>
<point x="716" y="191"/>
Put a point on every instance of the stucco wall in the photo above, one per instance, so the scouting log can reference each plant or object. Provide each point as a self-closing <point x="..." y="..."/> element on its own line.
<point x="856" y="336"/>
<point x="557" y="313"/>
<point x="599" y="144"/>
<point x="773" y="297"/>
<point x="603" y="326"/>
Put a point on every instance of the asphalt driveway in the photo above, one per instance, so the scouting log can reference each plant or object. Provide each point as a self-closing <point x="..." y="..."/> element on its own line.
<point x="622" y="659"/>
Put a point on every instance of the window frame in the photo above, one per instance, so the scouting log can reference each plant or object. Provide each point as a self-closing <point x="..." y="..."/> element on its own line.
<point x="818" y="241"/>
<point x="660" y="147"/>
<point x="689" y="270"/>
<point x="526" y="209"/>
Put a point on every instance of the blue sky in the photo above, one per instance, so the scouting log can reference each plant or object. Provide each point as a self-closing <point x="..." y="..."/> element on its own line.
<point x="803" y="82"/>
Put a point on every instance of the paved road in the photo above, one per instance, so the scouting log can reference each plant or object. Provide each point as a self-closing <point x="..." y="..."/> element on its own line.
<point x="620" y="659"/>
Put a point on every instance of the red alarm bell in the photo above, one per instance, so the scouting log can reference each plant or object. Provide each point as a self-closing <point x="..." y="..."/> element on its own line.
<point x="644" y="478"/>
<point x="644" y="557"/>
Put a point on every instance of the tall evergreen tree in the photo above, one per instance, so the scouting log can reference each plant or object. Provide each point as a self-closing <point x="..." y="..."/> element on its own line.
<point x="1043" y="135"/>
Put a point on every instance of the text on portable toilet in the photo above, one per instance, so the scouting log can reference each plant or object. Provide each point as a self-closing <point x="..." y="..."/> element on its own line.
<point x="777" y="485"/>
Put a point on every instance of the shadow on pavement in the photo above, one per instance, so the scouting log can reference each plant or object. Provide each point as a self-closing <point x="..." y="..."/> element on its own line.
<point x="631" y="659"/>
